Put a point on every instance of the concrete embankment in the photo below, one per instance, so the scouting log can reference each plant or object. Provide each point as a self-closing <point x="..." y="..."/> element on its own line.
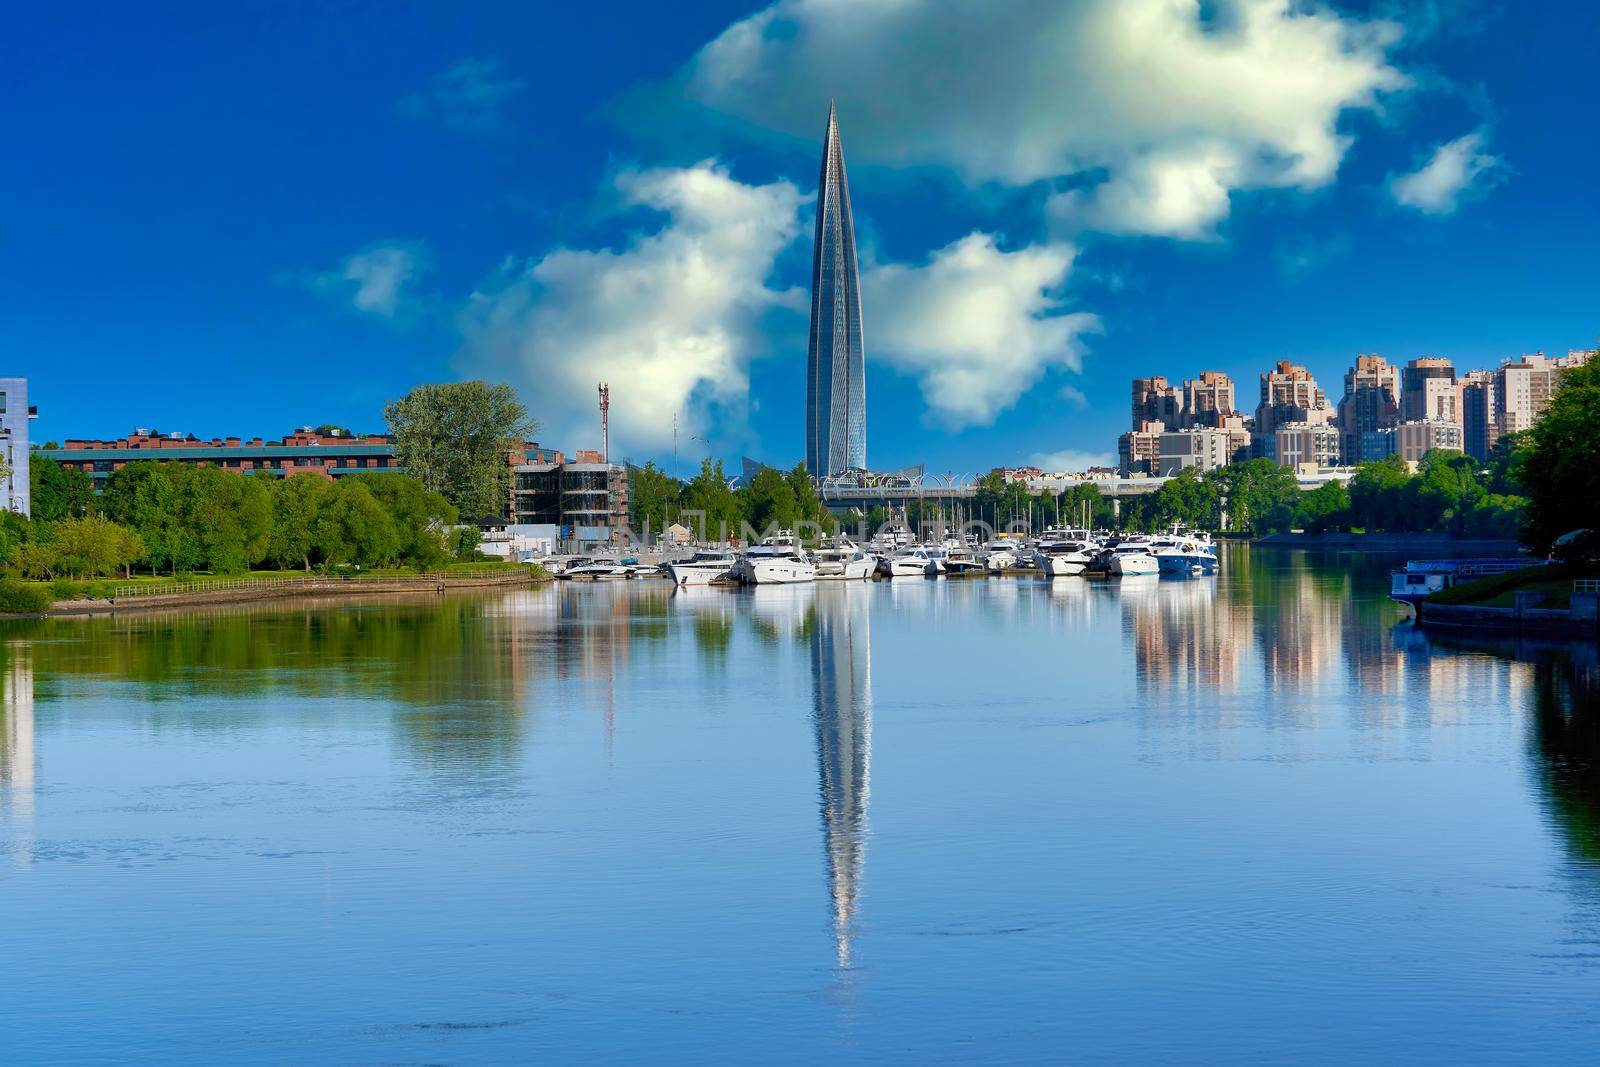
<point x="1582" y="620"/>
<point x="288" y="589"/>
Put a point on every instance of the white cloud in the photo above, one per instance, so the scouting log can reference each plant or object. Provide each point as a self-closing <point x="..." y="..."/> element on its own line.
<point x="976" y="325"/>
<point x="670" y="321"/>
<point x="374" y="280"/>
<point x="1070" y="460"/>
<point x="468" y="96"/>
<point x="1437" y="187"/>
<point x="1176" y="106"/>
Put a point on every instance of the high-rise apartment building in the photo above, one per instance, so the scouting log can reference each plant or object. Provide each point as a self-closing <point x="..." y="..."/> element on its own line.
<point x="1300" y="445"/>
<point x="1289" y="394"/>
<point x="1203" y="449"/>
<point x="1371" y="402"/>
<point x="1428" y="390"/>
<point x="836" y="381"/>
<point x="1139" y="451"/>
<point x="1480" y="413"/>
<point x="14" y="415"/>
<point x="1154" y="400"/>
<point x="1208" y="401"/>
<point x="1526" y="385"/>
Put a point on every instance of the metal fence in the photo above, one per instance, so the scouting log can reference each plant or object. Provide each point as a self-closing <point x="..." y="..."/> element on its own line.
<point x="211" y="585"/>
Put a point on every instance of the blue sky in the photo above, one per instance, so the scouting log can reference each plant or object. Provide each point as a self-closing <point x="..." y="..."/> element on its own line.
<point x="244" y="218"/>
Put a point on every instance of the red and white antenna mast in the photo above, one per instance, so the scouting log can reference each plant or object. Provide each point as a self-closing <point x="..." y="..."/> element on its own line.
<point x="605" y="422"/>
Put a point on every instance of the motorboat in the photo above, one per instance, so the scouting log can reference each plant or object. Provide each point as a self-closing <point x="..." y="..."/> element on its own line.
<point x="1131" y="558"/>
<point x="1186" y="556"/>
<point x="702" y="568"/>
<point x="999" y="555"/>
<point x="1064" y="551"/>
<point x="912" y="562"/>
<point x="598" y="570"/>
<point x="841" y="560"/>
<point x="777" y="560"/>
<point x="961" y="561"/>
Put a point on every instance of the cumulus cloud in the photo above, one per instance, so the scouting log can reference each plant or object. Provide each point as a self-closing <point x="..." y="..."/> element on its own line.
<point x="1070" y="460"/>
<point x="468" y="96"/>
<point x="1450" y="173"/>
<point x="976" y="325"/>
<point x="374" y="280"/>
<point x="1171" y="105"/>
<point x="670" y="320"/>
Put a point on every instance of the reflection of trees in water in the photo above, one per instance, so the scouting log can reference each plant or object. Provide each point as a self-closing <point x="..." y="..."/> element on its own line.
<point x="460" y="667"/>
<point x="1565" y="744"/>
<point x="841" y="669"/>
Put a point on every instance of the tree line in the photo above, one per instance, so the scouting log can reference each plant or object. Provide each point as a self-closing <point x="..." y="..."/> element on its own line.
<point x="170" y="518"/>
<point x="773" y="498"/>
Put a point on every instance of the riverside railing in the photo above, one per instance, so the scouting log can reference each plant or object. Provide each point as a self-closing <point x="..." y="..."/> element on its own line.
<point x="212" y="585"/>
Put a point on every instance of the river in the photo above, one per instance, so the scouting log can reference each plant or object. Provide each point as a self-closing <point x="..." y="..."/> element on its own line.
<point x="1241" y="817"/>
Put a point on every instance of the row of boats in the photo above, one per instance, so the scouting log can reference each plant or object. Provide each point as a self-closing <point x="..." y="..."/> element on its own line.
<point x="781" y="559"/>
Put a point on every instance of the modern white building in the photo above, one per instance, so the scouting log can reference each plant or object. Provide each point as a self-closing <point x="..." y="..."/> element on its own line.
<point x="14" y="416"/>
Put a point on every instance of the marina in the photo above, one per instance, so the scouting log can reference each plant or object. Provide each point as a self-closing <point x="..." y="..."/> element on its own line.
<point x="485" y="826"/>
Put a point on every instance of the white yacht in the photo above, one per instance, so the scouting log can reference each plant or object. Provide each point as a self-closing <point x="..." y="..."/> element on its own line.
<point x="912" y="562"/>
<point x="1186" y="552"/>
<point x="1000" y="555"/>
<point x="702" y="568"/>
<point x="841" y="560"/>
<point x="961" y="561"/>
<point x="777" y="560"/>
<point x="598" y="570"/>
<point x="1064" y="551"/>
<point x="1133" y="557"/>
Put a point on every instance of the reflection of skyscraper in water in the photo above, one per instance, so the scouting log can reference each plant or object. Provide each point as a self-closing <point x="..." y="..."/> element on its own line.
<point x="842" y="718"/>
<point x="17" y="748"/>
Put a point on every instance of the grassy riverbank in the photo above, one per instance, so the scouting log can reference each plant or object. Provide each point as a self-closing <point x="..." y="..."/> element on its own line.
<point x="172" y="590"/>
<point x="1500" y="590"/>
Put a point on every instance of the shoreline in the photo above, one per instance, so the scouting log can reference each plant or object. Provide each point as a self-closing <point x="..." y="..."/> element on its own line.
<point x="300" y="589"/>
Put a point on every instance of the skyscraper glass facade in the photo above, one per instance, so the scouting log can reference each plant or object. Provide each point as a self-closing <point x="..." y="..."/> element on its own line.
<point x="836" y="379"/>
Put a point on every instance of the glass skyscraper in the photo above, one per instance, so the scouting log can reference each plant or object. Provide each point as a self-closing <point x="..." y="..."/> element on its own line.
<point x="836" y="374"/>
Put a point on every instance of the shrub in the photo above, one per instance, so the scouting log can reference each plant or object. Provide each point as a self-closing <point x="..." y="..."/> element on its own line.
<point x="65" y="589"/>
<point x="19" y="599"/>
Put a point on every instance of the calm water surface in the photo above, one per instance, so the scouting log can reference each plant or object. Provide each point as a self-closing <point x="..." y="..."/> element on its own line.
<point x="1186" y="820"/>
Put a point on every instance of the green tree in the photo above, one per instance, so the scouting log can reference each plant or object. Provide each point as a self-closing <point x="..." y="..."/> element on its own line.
<point x="295" y="501"/>
<point x="421" y="518"/>
<point x="1504" y="463"/>
<point x="94" y="547"/>
<point x="145" y="496"/>
<point x="1327" y="507"/>
<point x="653" y="497"/>
<point x="769" y="501"/>
<point x="58" y="492"/>
<point x="808" y="502"/>
<point x="1560" y="467"/>
<point x="1258" y="496"/>
<point x="1377" y="495"/>
<point x="455" y="438"/>
<point x="1445" y="491"/>
<point x="1185" y="498"/>
<point x="351" y="527"/>
<point x="708" y="492"/>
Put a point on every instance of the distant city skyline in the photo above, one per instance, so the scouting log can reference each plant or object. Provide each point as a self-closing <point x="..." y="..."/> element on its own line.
<point x="1041" y="211"/>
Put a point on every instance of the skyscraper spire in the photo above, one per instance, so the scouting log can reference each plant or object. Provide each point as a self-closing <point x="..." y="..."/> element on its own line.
<point x="836" y="381"/>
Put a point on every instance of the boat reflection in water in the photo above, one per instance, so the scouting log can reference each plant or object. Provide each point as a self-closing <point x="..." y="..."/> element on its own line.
<point x="841" y="668"/>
